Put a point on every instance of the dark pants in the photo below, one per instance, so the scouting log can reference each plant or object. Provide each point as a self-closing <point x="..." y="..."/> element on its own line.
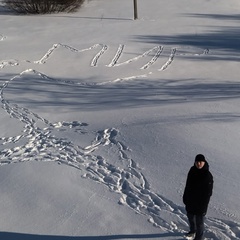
<point x="196" y="223"/>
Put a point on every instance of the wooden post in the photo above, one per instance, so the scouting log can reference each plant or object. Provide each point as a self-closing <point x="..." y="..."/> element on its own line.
<point x="135" y="9"/>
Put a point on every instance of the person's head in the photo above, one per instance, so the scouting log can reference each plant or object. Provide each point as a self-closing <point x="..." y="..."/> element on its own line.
<point x="200" y="161"/>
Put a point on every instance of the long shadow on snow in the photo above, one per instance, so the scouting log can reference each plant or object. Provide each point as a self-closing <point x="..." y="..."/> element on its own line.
<point x="21" y="236"/>
<point x="225" y="39"/>
<point x="42" y="93"/>
<point x="233" y="17"/>
<point x="91" y="18"/>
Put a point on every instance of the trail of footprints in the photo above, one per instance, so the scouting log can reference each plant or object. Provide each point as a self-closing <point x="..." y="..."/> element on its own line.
<point x="42" y="140"/>
<point x="152" y="55"/>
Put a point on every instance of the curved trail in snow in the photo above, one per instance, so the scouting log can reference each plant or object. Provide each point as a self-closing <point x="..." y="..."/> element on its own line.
<point x="42" y="140"/>
<point x="151" y="57"/>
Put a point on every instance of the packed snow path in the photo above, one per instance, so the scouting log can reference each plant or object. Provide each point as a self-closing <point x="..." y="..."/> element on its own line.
<point x="42" y="140"/>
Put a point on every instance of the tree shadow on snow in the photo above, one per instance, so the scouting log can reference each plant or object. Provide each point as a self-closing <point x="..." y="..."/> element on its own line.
<point x="21" y="236"/>
<point x="140" y="93"/>
<point x="224" y="39"/>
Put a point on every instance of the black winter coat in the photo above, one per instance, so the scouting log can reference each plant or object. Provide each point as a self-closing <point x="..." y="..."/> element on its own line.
<point x="198" y="190"/>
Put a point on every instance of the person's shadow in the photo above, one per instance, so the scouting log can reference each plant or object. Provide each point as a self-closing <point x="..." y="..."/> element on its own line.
<point x="25" y="236"/>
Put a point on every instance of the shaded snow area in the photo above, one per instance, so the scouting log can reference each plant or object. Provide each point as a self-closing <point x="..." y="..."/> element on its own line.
<point x="102" y="116"/>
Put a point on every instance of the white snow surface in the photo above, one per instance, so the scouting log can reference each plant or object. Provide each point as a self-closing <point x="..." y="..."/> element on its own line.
<point x="102" y="116"/>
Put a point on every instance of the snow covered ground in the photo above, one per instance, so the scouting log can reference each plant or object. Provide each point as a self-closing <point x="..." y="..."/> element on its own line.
<point x="103" y="116"/>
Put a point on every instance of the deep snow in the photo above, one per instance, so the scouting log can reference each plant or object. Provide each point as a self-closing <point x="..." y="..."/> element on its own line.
<point x="103" y="116"/>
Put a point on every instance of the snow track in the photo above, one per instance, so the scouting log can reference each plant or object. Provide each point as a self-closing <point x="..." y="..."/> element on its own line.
<point x="169" y="61"/>
<point x="115" y="62"/>
<point x="117" y="56"/>
<point x="2" y="37"/>
<point x="42" y="140"/>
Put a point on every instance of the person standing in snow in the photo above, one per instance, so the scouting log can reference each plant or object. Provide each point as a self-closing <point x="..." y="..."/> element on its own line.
<point x="197" y="193"/>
